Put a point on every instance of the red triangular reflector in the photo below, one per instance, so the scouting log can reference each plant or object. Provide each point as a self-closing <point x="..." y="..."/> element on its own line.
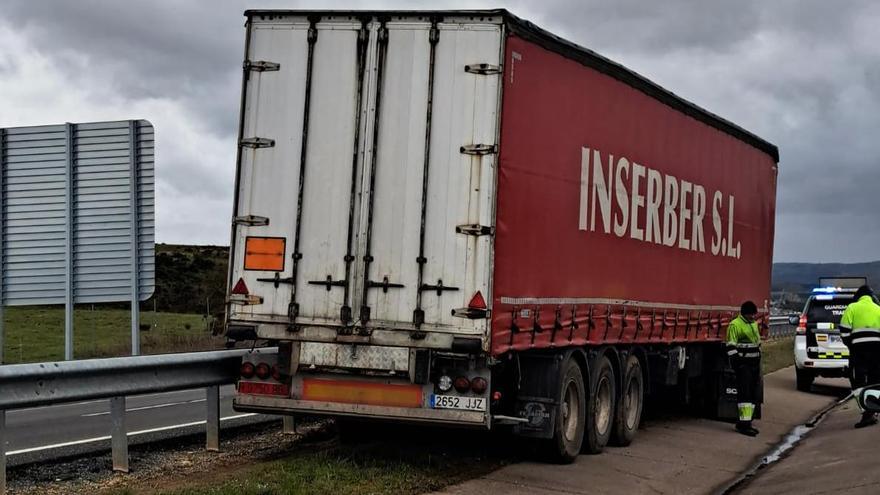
<point x="477" y="302"/>
<point x="240" y="288"/>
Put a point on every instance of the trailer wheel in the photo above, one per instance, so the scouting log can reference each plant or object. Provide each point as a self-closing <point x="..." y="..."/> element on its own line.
<point x="600" y="409"/>
<point x="568" y="432"/>
<point x="629" y="404"/>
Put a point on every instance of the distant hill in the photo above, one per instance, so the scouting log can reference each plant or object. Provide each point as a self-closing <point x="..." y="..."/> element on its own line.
<point x="799" y="277"/>
<point x="190" y="279"/>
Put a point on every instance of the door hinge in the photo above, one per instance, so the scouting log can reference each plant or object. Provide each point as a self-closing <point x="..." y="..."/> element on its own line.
<point x="474" y="229"/>
<point x="483" y="69"/>
<point x="251" y="221"/>
<point x="261" y="66"/>
<point x="256" y="142"/>
<point x="479" y="149"/>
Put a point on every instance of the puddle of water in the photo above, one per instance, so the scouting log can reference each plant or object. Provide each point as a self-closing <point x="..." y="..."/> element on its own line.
<point x="787" y="443"/>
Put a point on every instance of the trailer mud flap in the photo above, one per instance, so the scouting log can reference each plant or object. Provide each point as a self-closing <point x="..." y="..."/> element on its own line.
<point x="539" y="412"/>
<point x="536" y="400"/>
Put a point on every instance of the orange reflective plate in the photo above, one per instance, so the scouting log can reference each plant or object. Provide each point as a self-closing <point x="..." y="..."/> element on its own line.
<point x="369" y="393"/>
<point x="264" y="253"/>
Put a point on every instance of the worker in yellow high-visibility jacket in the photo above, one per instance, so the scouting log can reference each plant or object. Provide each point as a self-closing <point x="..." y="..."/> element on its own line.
<point x="860" y="331"/>
<point x="744" y="350"/>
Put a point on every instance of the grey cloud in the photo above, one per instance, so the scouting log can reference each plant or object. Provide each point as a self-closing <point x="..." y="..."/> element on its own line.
<point x="804" y="74"/>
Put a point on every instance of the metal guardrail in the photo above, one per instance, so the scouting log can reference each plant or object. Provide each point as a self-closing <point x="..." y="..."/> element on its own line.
<point x="780" y="328"/>
<point x="45" y="384"/>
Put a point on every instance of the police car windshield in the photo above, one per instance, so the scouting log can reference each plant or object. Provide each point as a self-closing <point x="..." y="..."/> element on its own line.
<point x="827" y="310"/>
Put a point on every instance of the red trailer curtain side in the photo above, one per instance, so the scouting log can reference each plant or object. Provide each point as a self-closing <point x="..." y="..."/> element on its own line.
<point x="620" y="218"/>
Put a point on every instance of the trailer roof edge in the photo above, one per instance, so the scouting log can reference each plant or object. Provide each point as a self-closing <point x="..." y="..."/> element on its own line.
<point x="546" y="39"/>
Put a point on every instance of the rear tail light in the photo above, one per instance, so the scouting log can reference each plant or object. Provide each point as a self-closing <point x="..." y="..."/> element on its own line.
<point x="247" y="369"/>
<point x="276" y="373"/>
<point x="462" y="384"/>
<point x="263" y="371"/>
<point x="479" y="385"/>
<point x="802" y="326"/>
<point x="240" y="288"/>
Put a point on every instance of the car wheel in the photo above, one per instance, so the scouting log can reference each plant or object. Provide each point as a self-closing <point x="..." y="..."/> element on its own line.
<point x="804" y="379"/>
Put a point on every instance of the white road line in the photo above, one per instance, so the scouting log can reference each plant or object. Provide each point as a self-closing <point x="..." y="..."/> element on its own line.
<point x="157" y="406"/>
<point x="14" y="411"/>
<point x="131" y="434"/>
<point x="83" y="403"/>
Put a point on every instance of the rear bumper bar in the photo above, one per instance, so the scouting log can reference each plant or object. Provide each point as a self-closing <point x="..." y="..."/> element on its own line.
<point x="280" y="405"/>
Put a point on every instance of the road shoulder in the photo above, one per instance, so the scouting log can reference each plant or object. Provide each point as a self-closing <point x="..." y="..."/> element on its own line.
<point x="832" y="458"/>
<point x="680" y="455"/>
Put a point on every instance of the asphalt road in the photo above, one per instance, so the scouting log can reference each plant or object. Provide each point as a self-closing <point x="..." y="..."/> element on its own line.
<point x="677" y="455"/>
<point x="833" y="458"/>
<point x="41" y="432"/>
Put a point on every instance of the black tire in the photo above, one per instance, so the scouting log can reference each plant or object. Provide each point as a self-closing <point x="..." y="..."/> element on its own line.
<point x="568" y="430"/>
<point x="630" y="400"/>
<point x="600" y="410"/>
<point x="804" y="379"/>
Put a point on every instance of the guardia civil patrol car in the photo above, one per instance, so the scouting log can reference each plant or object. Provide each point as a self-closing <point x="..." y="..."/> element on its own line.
<point x="818" y="348"/>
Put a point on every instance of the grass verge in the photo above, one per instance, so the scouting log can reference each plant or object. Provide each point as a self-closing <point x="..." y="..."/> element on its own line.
<point x="777" y="354"/>
<point x="36" y="334"/>
<point x="401" y="460"/>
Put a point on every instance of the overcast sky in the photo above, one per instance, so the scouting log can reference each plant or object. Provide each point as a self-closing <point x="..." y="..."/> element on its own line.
<point x="804" y="75"/>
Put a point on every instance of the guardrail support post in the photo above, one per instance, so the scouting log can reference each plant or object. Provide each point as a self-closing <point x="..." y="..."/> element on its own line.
<point x="119" y="435"/>
<point x="212" y="426"/>
<point x="2" y="452"/>
<point x="288" y="425"/>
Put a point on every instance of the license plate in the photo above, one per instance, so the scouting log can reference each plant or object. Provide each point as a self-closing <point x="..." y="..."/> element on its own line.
<point x="256" y="388"/>
<point x="461" y="403"/>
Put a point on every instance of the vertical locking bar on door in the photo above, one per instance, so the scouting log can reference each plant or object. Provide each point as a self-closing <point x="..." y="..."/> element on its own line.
<point x="368" y="257"/>
<point x="433" y="39"/>
<point x="345" y="314"/>
<point x="293" y="308"/>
